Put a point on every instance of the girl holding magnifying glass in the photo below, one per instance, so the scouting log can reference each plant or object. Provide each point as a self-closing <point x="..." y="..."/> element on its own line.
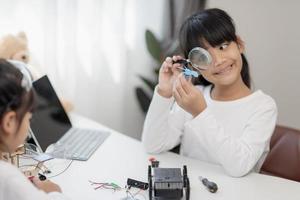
<point x="217" y="118"/>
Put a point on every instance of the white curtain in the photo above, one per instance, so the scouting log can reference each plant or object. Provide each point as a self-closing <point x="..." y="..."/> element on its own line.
<point x="91" y="51"/>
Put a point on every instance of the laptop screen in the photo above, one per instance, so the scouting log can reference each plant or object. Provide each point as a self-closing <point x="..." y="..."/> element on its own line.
<point x="49" y="121"/>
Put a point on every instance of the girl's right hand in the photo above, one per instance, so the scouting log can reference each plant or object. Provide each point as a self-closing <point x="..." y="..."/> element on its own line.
<point x="167" y="75"/>
<point x="46" y="185"/>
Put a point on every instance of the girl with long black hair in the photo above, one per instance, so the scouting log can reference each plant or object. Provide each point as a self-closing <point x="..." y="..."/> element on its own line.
<point x="217" y="118"/>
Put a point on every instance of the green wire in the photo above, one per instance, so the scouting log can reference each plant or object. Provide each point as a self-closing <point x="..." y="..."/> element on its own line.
<point x="115" y="185"/>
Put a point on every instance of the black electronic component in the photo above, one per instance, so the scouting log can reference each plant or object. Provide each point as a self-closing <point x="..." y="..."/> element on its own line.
<point x="42" y="177"/>
<point x="155" y="163"/>
<point x="168" y="183"/>
<point x="183" y="61"/>
<point x="137" y="184"/>
<point x="211" y="186"/>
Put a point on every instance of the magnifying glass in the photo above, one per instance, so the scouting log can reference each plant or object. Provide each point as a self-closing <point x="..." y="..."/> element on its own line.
<point x="198" y="58"/>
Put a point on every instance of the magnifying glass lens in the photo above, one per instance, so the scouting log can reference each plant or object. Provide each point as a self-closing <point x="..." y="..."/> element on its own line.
<point x="199" y="58"/>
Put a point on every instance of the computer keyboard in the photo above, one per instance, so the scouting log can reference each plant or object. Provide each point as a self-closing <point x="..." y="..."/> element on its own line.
<point x="80" y="144"/>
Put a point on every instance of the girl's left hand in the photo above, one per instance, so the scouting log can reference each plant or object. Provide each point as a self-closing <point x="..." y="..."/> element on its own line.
<point x="188" y="96"/>
<point x="46" y="185"/>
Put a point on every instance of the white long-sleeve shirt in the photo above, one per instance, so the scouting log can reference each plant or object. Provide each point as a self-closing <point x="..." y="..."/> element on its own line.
<point x="15" y="186"/>
<point x="234" y="134"/>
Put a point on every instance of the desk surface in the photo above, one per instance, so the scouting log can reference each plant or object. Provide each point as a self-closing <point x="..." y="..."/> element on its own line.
<point x="121" y="157"/>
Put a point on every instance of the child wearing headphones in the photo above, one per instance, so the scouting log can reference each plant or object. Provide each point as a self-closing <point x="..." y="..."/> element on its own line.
<point x="16" y="104"/>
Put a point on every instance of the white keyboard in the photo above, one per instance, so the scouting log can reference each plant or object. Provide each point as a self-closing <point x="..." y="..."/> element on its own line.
<point x="80" y="144"/>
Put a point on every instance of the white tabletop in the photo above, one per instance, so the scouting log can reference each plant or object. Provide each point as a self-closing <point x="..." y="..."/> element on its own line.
<point x="121" y="157"/>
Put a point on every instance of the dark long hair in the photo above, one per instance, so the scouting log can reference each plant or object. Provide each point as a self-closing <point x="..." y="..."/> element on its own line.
<point x="214" y="26"/>
<point x="12" y="95"/>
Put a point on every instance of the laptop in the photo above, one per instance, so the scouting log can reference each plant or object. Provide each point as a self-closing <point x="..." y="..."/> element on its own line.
<point x="51" y="127"/>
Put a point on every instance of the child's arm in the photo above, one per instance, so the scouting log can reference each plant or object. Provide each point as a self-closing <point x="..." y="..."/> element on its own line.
<point x="19" y="187"/>
<point x="163" y="125"/>
<point x="238" y="156"/>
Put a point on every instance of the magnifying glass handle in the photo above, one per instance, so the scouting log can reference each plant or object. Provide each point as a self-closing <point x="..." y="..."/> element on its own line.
<point x="184" y="62"/>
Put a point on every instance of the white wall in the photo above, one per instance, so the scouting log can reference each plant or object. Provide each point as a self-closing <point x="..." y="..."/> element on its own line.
<point x="92" y="51"/>
<point x="148" y="15"/>
<point x="119" y="108"/>
<point x="271" y="31"/>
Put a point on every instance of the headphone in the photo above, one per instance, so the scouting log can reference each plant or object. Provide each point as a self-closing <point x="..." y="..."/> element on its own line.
<point x="26" y="82"/>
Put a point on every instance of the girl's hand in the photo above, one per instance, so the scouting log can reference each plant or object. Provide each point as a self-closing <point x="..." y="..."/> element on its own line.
<point x="188" y="96"/>
<point x="167" y="76"/>
<point x="46" y="185"/>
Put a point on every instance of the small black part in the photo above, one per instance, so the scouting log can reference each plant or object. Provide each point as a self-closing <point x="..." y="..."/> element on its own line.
<point x="47" y="171"/>
<point x="155" y="163"/>
<point x="183" y="61"/>
<point x="42" y="177"/>
<point x="211" y="186"/>
<point x="184" y="172"/>
<point x="137" y="184"/>
<point x="187" y="189"/>
<point x="150" y="181"/>
<point x="149" y="172"/>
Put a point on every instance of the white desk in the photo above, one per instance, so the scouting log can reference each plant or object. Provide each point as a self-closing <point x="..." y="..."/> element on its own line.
<point x="121" y="157"/>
